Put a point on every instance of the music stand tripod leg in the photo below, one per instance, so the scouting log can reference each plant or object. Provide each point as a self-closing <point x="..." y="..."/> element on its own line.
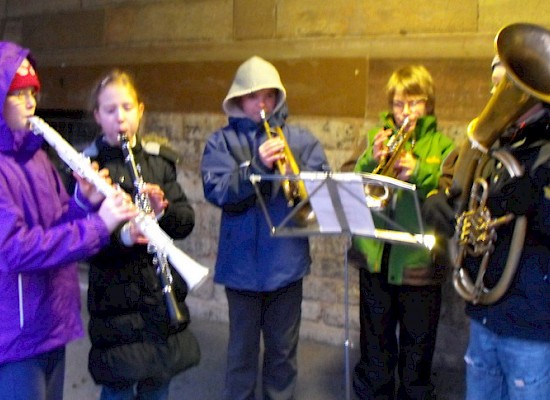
<point x="347" y="344"/>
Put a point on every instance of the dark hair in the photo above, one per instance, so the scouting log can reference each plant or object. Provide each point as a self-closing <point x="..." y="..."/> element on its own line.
<point x="115" y="76"/>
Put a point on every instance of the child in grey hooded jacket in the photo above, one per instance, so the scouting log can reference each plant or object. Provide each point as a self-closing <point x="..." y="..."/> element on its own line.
<point x="262" y="274"/>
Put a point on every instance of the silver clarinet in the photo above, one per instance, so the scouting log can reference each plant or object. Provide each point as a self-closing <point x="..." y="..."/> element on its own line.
<point x="190" y="270"/>
<point x="143" y="203"/>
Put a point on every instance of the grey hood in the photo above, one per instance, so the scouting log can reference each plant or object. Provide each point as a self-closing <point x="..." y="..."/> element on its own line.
<point x="252" y="75"/>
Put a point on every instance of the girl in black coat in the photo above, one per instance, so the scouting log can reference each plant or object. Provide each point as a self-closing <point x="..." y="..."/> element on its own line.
<point x="135" y="347"/>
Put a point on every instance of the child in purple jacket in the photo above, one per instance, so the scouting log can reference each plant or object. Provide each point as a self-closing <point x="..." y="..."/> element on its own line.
<point x="43" y="233"/>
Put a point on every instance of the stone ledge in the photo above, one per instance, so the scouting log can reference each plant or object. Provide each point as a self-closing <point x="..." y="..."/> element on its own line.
<point x="420" y="46"/>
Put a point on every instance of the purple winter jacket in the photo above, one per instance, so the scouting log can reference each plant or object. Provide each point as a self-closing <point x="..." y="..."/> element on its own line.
<point x="43" y="232"/>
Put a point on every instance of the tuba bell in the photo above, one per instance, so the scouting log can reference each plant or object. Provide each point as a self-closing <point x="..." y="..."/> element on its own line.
<point x="524" y="50"/>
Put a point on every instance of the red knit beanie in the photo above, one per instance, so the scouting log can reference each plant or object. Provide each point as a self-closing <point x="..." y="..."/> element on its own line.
<point x="25" y="77"/>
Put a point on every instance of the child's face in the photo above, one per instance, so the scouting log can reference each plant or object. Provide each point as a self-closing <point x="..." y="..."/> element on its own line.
<point x="18" y="107"/>
<point x="412" y="106"/>
<point x="118" y="111"/>
<point x="254" y="102"/>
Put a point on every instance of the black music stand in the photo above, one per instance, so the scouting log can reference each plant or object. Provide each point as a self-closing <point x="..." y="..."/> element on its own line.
<point x="342" y="208"/>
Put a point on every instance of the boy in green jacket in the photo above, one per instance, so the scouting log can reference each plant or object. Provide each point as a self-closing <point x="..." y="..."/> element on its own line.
<point x="399" y="284"/>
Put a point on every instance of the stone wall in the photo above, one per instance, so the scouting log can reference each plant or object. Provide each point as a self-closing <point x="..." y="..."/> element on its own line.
<point x="324" y="303"/>
<point x="334" y="58"/>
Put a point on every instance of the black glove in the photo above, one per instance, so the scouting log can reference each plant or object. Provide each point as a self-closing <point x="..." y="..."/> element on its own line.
<point x="512" y="195"/>
<point x="438" y="212"/>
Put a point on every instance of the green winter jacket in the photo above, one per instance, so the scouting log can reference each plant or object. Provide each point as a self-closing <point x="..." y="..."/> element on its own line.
<point x="411" y="265"/>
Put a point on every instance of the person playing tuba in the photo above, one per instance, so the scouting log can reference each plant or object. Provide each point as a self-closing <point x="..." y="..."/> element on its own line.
<point x="509" y="340"/>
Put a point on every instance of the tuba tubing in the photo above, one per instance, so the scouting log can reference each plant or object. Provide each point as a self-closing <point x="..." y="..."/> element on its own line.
<point x="467" y="289"/>
<point x="523" y="50"/>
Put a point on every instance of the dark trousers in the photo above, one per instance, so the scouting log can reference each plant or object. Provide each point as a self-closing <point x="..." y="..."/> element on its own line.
<point x="275" y="316"/>
<point x="383" y="309"/>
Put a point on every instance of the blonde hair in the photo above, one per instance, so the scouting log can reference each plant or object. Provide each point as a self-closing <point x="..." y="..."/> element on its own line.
<point x="116" y="76"/>
<point x="412" y="80"/>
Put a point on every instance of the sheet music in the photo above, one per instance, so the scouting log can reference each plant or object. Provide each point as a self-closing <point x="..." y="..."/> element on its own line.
<point x="340" y="205"/>
<point x="354" y="203"/>
<point x="321" y="203"/>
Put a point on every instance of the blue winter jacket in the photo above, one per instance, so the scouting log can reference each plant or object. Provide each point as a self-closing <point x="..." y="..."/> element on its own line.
<point x="249" y="258"/>
<point x="524" y="309"/>
<point x="42" y="234"/>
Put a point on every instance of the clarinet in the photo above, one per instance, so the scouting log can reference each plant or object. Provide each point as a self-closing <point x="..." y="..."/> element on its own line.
<point x="159" y="258"/>
<point x="194" y="273"/>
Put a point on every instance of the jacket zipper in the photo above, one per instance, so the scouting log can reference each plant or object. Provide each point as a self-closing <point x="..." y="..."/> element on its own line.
<point x="20" y="292"/>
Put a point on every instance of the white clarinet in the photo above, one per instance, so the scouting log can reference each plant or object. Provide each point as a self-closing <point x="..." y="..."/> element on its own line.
<point x="190" y="270"/>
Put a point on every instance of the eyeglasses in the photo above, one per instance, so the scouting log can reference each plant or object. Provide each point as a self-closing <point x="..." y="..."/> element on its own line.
<point x="21" y="95"/>
<point x="400" y="104"/>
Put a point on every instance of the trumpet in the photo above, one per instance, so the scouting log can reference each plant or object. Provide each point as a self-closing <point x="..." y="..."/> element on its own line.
<point x="295" y="190"/>
<point x="380" y="194"/>
<point x="142" y="201"/>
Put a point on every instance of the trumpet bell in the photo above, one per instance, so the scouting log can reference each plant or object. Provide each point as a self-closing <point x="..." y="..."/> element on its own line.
<point x="377" y="195"/>
<point x="305" y="217"/>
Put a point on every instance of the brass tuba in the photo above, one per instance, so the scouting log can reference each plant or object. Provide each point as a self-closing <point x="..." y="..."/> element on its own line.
<point x="524" y="50"/>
